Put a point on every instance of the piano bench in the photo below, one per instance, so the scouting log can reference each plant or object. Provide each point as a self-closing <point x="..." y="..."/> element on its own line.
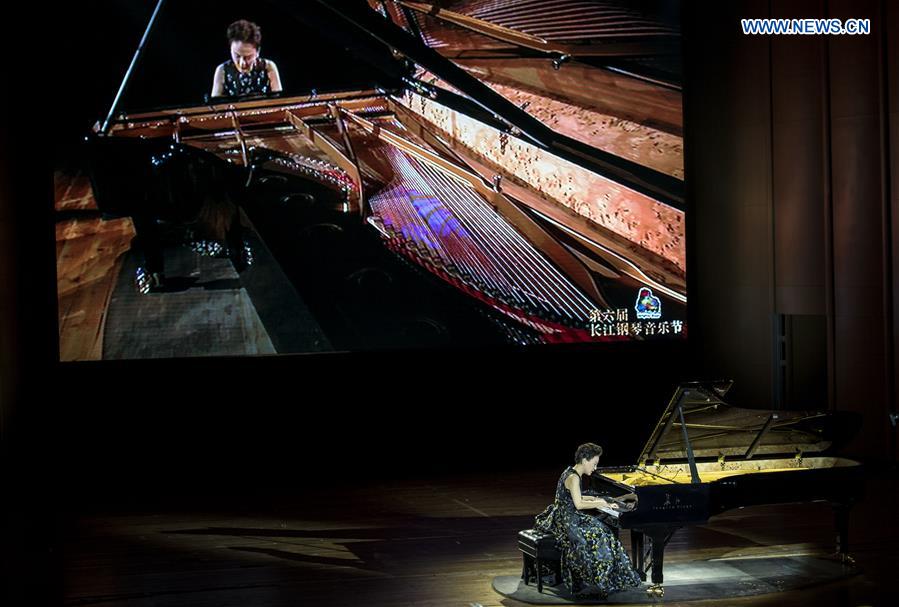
<point x="538" y="549"/>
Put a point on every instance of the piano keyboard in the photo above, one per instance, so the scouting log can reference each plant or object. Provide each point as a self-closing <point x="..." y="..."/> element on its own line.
<point x="623" y="506"/>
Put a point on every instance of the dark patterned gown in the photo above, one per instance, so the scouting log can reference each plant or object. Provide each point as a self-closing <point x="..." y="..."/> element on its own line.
<point x="253" y="82"/>
<point x="594" y="562"/>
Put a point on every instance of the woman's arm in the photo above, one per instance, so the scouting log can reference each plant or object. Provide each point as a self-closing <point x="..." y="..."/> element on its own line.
<point x="274" y="78"/>
<point x="583" y="502"/>
<point x="218" y="82"/>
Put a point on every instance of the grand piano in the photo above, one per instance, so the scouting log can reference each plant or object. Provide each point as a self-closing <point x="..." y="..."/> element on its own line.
<point x="537" y="173"/>
<point x="705" y="457"/>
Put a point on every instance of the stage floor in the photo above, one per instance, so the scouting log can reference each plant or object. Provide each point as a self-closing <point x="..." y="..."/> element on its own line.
<point x="425" y="542"/>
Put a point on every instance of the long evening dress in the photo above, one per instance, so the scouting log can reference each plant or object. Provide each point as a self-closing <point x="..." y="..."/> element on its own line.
<point x="594" y="562"/>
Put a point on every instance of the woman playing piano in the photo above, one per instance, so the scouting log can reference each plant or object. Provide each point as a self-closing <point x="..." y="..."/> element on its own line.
<point x="593" y="561"/>
<point x="246" y="73"/>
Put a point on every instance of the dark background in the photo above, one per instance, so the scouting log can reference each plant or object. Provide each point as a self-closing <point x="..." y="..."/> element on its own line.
<point x="792" y="160"/>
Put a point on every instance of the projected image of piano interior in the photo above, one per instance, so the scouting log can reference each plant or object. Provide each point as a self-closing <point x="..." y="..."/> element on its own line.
<point x="522" y="186"/>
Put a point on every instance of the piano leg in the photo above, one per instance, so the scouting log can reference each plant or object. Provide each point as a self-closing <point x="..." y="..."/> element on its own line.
<point x="147" y="244"/>
<point x="841" y="515"/>
<point x="235" y="244"/>
<point x="659" y="538"/>
<point x="637" y="553"/>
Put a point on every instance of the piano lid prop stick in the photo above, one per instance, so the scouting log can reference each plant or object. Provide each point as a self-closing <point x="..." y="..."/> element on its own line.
<point x="657" y="435"/>
<point x="137" y="54"/>
<point x="694" y="474"/>
<point x="755" y="443"/>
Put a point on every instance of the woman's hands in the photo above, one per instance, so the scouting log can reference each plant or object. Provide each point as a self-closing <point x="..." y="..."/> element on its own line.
<point x="599" y="502"/>
<point x="586" y="502"/>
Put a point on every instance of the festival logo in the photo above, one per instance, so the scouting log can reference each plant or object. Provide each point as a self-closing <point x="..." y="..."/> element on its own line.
<point x="648" y="306"/>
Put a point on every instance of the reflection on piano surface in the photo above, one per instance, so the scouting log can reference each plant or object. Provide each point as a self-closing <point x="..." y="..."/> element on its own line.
<point x="533" y="164"/>
<point x="705" y="457"/>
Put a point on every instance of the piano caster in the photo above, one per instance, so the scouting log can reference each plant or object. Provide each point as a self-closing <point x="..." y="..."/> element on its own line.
<point x="656" y="590"/>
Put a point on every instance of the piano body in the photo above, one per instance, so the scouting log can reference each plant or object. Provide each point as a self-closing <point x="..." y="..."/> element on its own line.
<point x="705" y="457"/>
<point x="532" y="217"/>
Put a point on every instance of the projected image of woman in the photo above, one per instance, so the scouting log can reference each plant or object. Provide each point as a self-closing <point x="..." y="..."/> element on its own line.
<point x="247" y="73"/>
<point x="594" y="562"/>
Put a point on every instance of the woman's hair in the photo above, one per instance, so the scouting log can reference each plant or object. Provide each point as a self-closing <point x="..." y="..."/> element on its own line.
<point x="587" y="451"/>
<point x="245" y="31"/>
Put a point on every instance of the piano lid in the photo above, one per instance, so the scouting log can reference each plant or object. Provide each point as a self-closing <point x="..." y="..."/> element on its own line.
<point x="715" y="428"/>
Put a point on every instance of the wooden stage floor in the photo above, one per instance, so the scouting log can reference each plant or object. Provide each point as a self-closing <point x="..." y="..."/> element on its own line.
<point x="426" y="542"/>
<point x="209" y="310"/>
